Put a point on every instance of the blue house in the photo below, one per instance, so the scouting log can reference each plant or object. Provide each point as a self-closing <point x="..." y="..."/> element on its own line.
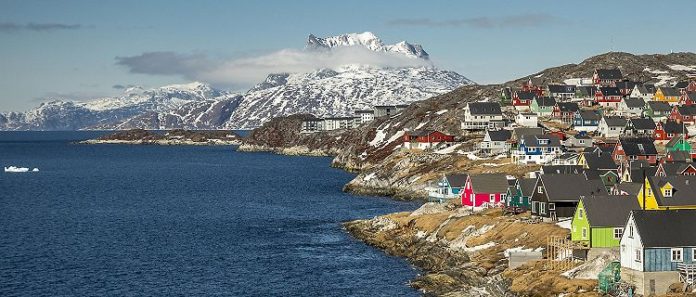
<point x="448" y="187"/>
<point x="658" y="248"/>
<point x="586" y="120"/>
<point x="536" y="149"/>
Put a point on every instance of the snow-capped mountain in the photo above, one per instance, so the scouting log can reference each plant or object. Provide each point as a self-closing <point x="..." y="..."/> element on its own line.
<point x="369" y="41"/>
<point x="337" y="91"/>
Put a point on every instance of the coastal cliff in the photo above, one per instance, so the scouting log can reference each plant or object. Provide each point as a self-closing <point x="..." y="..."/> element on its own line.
<point x="465" y="254"/>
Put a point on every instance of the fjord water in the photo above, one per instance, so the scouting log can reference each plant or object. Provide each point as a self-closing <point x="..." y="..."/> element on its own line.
<point x="173" y="220"/>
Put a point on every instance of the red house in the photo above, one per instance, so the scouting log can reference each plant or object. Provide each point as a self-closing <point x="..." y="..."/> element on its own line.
<point x="565" y="111"/>
<point x="630" y="149"/>
<point x="608" y="97"/>
<point x="482" y="189"/>
<point x="425" y="139"/>
<point x="529" y="86"/>
<point x="669" y="129"/>
<point x="607" y="77"/>
<point x="523" y="99"/>
<point x="687" y="98"/>
<point x="683" y="114"/>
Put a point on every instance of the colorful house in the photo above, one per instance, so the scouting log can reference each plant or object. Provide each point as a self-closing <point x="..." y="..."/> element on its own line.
<point x="675" y="168"/>
<point x="608" y="97"/>
<point x="684" y="114"/>
<point x="607" y="77"/>
<point x="562" y="92"/>
<point x="518" y="196"/>
<point x="629" y="149"/>
<point x="448" y="187"/>
<point x="536" y="149"/>
<point x="488" y="189"/>
<point x="658" y="110"/>
<point x="543" y="106"/>
<point x="678" y="144"/>
<point x="425" y="139"/>
<point x="599" y="221"/>
<point x="586" y="120"/>
<point x="557" y="195"/>
<point x="669" y="129"/>
<point x="668" y="192"/>
<point x="565" y="111"/>
<point x="521" y="100"/>
<point x="658" y="249"/>
<point x="667" y="94"/>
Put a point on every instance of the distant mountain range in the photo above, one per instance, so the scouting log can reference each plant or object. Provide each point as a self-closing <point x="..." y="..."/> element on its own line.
<point x="336" y="91"/>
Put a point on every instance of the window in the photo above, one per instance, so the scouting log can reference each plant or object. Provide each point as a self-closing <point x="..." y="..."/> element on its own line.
<point x="630" y="231"/>
<point x="581" y="141"/>
<point x="552" y="206"/>
<point x="693" y="254"/>
<point x="540" y="190"/>
<point x="638" y="257"/>
<point x="492" y="198"/>
<point x="535" y="206"/>
<point x="668" y="192"/>
<point x="677" y="254"/>
<point x="581" y="213"/>
<point x="618" y="232"/>
<point x="542" y="208"/>
<point x="649" y="191"/>
<point x="503" y="196"/>
<point x="584" y="233"/>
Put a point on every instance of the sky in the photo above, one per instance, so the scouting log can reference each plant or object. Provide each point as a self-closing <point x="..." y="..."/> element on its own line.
<point x="82" y="50"/>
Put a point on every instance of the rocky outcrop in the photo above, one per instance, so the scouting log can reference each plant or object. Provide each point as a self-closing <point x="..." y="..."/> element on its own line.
<point x="174" y="137"/>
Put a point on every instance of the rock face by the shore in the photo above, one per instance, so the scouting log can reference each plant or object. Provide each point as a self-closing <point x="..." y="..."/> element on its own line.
<point x="463" y="253"/>
<point x="174" y="137"/>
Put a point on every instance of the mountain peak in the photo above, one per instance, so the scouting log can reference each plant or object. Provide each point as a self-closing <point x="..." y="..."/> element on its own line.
<point x="368" y="40"/>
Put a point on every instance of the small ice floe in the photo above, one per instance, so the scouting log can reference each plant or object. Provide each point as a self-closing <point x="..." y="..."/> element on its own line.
<point x="15" y="169"/>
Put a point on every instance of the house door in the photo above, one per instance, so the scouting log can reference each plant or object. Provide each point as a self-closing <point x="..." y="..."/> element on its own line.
<point x="652" y="287"/>
<point x="552" y="214"/>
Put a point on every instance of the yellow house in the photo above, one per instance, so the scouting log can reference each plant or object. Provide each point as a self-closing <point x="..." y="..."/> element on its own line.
<point x="668" y="192"/>
<point x="665" y="94"/>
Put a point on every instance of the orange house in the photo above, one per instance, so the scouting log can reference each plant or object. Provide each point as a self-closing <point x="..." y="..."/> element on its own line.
<point x="669" y="95"/>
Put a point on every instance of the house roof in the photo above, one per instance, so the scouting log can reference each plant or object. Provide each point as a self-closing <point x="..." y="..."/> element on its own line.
<point x="674" y="168"/>
<point x="599" y="161"/>
<point x="667" y="91"/>
<point x="615" y="121"/>
<point x="418" y="133"/>
<point x="675" y="141"/>
<point x="589" y="115"/>
<point x="485" y="108"/>
<point x="527" y="186"/>
<point x="642" y="123"/>
<point x="518" y="132"/>
<point x="638" y="146"/>
<point x="610" y="91"/>
<point x="570" y="187"/>
<point x="631" y="189"/>
<point x="609" y="211"/>
<point x="561" y="169"/>
<point x="680" y="156"/>
<point x="673" y="127"/>
<point x="499" y="135"/>
<point x="659" y="106"/>
<point x="634" y="102"/>
<point x="545" y="101"/>
<point x="689" y="110"/>
<point x="561" y="89"/>
<point x="682" y="194"/>
<point x="652" y="225"/>
<point x="681" y="85"/>
<point x="568" y="106"/>
<point x="626" y="84"/>
<point x="587" y="91"/>
<point x="526" y="95"/>
<point x="489" y="183"/>
<point x="609" y="73"/>
<point x="533" y="140"/>
<point x="456" y="180"/>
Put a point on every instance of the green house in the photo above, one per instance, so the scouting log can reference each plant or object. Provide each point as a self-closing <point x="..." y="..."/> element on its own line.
<point x="543" y="106"/>
<point x="678" y="144"/>
<point x="598" y="221"/>
<point x="518" y="196"/>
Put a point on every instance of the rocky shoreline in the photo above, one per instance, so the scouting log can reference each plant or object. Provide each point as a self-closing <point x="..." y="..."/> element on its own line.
<point x="463" y="253"/>
<point x="173" y="137"/>
<point x="208" y="142"/>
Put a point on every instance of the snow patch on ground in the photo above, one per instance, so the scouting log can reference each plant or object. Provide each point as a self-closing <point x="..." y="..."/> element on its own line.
<point x="479" y="247"/>
<point x="441" y="112"/>
<point x="379" y="137"/>
<point x="520" y="249"/>
<point x="678" y="67"/>
<point x="564" y="223"/>
<point x="369" y="176"/>
<point x="592" y="267"/>
<point x="421" y="125"/>
<point x="448" y="150"/>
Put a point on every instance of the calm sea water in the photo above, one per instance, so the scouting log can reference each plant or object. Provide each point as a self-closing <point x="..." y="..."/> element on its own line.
<point x="115" y="220"/>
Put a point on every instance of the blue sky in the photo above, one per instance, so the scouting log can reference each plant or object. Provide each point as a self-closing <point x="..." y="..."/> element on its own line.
<point x="69" y="49"/>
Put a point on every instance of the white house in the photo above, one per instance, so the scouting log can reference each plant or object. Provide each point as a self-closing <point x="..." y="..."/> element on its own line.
<point x="536" y="149"/>
<point x="482" y="115"/>
<point x="631" y="107"/>
<point x="365" y="115"/>
<point x="646" y="92"/>
<point x="527" y="119"/>
<point x="496" y="142"/>
<point x="611" y="127"/>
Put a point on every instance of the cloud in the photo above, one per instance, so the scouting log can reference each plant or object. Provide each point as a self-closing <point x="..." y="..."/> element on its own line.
<point x="37" y="27"/>
<point x="252" y="70"/>
<point x="509" y="21"/>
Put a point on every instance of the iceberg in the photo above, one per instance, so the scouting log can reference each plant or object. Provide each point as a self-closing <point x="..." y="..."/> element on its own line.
<point x="15" y="169"/>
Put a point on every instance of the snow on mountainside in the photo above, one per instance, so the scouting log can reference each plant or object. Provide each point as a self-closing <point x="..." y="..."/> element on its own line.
<point x="368" y="40"/>
<point x="323" y="92"/>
